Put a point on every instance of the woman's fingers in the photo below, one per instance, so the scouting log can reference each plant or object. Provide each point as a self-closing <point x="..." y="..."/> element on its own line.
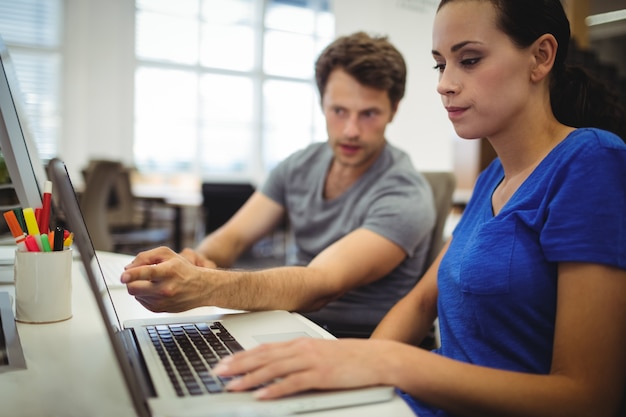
<point x="285" y="368"/>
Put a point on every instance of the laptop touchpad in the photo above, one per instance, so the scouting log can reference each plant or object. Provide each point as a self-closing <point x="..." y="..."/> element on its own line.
<point x="279" y="337"/>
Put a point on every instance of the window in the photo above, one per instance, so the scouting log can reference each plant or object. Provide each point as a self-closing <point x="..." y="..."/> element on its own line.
<point x="226" y="88"/>
<point x="31" y="29"/>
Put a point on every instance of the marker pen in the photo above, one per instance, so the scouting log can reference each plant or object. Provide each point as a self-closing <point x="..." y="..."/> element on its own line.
<point x="58" y="238"/>
<point x="45" y="243"/>
<point x="20" y="219"/>
<point x="31" y="244"/>
<point x="44" y="219"/>
<point x="33" y="227"/>
<point x="16" y="230"/>
<point x="68" y="241"/>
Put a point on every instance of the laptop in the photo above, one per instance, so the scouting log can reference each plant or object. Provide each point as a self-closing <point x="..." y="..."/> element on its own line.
<point x="112" y="265"/>
<point x="148" y="362"/>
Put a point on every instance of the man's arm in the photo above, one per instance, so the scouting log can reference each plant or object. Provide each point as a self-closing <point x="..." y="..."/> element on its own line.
<point x="164" y="281"/>
<point x="357" y="259"/>
<point x="255" y="219"/>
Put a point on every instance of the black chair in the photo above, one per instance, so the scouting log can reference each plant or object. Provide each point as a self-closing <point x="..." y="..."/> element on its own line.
<point x="221" y="201"/>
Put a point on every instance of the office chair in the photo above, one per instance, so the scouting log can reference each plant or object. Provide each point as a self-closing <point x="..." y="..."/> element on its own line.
<point x="443" y="184"/>
<point x="220" y="201"/>
<point x="122" y="209"/>
<point x="107" y="195"/>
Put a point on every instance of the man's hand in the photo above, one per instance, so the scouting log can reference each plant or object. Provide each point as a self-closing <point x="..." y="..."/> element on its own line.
<point x="163" y="280"/>
<point x="197" y="259"/>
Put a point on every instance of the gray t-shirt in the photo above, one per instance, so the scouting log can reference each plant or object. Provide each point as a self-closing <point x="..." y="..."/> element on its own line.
<point x="391" y="199"/>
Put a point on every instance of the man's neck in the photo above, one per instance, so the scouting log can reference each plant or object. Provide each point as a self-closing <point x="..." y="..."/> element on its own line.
<point x="341" y="177"/>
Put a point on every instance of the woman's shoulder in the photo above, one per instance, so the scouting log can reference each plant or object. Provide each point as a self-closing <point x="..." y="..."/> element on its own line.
<point x="594" y="137"/>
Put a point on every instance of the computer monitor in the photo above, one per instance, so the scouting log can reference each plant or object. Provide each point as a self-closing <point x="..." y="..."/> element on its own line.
<point x="27" y="176"/>
<point x="18" y="149"/>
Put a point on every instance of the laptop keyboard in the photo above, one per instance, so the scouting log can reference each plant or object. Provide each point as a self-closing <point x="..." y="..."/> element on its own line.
<point x="112" y="266"/>
<point x="190" y="351"/>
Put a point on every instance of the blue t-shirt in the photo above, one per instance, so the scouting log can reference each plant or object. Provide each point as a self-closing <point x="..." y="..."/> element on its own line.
<point x="498" y="281"/>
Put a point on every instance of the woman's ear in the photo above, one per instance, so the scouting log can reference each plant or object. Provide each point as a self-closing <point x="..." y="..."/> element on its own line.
<point x="544" y="53"/>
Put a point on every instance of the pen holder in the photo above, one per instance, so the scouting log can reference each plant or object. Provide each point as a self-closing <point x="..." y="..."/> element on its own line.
<point x="43" y="286"/>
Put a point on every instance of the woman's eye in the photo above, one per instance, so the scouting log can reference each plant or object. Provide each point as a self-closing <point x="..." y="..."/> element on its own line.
<point x="439" y="67"/>
<point x="470" y="62"/>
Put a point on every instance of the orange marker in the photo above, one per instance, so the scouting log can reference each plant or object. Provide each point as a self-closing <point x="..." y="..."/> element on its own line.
<point x="16" y="230"/>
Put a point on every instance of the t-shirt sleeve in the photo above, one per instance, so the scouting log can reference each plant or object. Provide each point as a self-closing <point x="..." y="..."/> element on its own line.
<point x="586" y="209"/>
<point x="274" y="185"/>
<point x="403" y="211"/>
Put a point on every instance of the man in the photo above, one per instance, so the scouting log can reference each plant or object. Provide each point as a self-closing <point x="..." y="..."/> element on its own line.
<point x="361" y="215"/>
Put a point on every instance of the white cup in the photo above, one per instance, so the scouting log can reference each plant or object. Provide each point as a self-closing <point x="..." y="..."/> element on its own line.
<point x="43" y="286"/>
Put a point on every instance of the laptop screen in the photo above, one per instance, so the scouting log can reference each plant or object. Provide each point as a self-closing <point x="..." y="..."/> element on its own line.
<point x="121" y="341"/>
<point x="74" y="218"/>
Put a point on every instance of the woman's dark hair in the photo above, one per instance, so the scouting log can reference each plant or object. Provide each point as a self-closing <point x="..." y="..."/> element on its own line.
<point x="372" y="61"/>
<point x="577" y="98"/>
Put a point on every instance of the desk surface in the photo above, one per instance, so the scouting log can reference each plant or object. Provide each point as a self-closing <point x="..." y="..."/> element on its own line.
<point x="71" y="370"/>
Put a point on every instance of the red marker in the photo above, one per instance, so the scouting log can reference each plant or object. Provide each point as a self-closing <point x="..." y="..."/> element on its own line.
<point x="31" y="244"/>
<point x="44" y="218"/>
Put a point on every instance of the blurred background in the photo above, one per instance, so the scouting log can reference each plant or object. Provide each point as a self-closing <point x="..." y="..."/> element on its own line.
<point x="187" y="92"/>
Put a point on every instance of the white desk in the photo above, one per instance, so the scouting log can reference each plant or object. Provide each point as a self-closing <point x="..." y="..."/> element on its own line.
<point x="71" y="370"/>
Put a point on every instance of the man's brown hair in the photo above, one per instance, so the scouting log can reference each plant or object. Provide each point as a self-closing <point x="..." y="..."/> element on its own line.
<point x="372" y="61"/>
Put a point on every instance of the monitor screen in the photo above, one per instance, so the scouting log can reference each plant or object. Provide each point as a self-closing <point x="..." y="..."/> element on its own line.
<point x="26" y="173"/>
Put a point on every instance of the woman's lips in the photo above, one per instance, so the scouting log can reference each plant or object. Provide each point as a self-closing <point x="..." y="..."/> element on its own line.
<point x="455" y="112"/>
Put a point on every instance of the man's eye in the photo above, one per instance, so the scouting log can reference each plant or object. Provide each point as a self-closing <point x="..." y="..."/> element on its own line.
<point x="369" y="114"/>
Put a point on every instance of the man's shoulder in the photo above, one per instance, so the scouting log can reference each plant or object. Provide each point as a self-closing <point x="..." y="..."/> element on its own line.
<point x="396" y="162"/>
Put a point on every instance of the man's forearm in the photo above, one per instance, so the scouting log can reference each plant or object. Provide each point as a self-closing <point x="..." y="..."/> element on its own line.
<point x="289" y="288"/>
<point x="216" y="247"/>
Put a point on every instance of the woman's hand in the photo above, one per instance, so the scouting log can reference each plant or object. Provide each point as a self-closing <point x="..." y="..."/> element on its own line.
<point x="304" y="364"/>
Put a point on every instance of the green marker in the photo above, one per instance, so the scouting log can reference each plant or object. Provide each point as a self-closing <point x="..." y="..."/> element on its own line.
<point x="45" y="243"/>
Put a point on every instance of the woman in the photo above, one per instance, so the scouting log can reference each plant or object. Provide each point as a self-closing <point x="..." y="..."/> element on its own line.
<point x="531" y="290"/>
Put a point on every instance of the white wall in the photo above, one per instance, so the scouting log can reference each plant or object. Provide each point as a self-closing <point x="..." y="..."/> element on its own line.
<point x="99" y="72"/>
<point x="98" y="78"/>
<point x="421" y="126"/>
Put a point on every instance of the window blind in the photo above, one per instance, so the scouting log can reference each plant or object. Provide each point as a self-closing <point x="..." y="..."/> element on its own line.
<point x="31" y="29"/>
